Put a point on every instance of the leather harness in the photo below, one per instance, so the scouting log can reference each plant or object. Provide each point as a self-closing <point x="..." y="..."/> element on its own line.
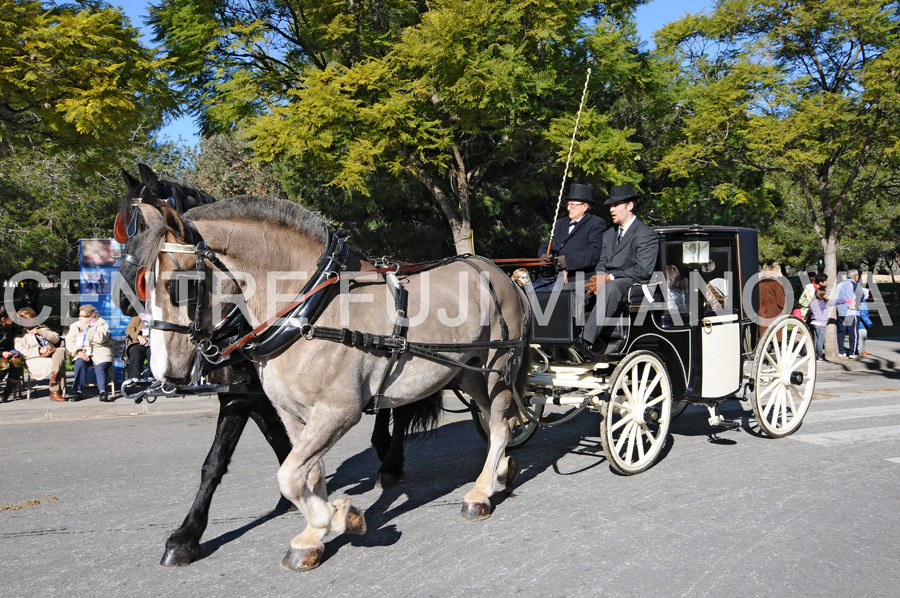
<point x="298" y="318"/>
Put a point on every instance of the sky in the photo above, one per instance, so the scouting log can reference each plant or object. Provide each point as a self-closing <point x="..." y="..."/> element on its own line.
<point x="650" y="17"/>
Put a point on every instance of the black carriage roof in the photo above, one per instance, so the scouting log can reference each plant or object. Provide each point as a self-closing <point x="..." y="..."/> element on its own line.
<point x="706" y="228"/>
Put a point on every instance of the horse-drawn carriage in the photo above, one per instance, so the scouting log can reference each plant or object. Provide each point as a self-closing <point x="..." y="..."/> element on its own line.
<point x="458" y="323"/>
<point x="666" y="354"/>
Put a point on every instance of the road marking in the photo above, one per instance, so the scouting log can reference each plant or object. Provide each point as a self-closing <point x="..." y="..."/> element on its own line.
<point x="850" y="436"/>
<point x="895" y="460"/>
<point x="815" y="415"/>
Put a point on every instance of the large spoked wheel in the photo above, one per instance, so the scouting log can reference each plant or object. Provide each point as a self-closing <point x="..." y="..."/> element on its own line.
<point x="784" y="376"/>
<point x="522" y="429"/>
<point x="637" y="415"/>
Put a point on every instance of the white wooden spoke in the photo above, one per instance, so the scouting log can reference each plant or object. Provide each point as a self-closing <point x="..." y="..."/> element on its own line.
<point x="641" y="388"/>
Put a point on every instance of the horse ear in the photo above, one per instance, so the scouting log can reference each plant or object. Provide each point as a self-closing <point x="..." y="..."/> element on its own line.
<point x="174" y="223"/>
<point x="148" y="177"/>
<point x="151" y="214"/>
<point x="130" y="181"/>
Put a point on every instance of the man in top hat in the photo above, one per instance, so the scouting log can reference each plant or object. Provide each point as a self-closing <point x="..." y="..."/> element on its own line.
<point x="628" y="256"/>
<point x="577" y="238"/>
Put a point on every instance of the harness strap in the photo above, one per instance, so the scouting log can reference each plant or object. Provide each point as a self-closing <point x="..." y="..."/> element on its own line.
<point x="429" y="351"/>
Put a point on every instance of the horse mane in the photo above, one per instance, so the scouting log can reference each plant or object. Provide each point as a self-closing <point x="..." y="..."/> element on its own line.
<point x="267" y="210"/>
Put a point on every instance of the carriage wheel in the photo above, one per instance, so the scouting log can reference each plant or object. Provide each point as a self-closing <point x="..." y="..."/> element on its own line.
<point x="520" y="433"/>
<point x="784" y="376"/>
<point x="636" y="417"/>
<point x="678" y="408"/>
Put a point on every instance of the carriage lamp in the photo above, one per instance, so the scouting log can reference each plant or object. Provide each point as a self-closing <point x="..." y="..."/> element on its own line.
<point x="695" y="250"/>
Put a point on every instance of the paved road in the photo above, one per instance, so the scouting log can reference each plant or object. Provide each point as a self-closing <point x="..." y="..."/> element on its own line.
<point x="87" y="505"/>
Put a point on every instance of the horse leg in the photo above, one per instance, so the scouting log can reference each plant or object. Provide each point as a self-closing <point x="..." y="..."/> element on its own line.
<point x="183" y="545"/>
<point x="391" y="471"/>
<point x="302" y="480"/>
<point x="381" y="433"/>
<point x="266" y="418"/>
<point x="499" y="470"/>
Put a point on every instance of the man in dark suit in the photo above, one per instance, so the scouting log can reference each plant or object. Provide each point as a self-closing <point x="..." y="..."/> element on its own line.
<point x="628" y="255"/>
<point x="577" y="238"/>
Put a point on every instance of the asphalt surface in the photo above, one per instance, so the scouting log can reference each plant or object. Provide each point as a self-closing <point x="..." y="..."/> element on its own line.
<point x="88" y="497"/>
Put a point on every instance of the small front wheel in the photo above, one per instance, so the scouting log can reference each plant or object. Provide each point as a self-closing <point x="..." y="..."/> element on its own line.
<point x="636" y="417"/>
<point x="521" y="431"/>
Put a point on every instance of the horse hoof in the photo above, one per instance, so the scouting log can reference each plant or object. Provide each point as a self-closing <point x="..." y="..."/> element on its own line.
<point x="179" y="556"/>
<point x="301" y="560"/>
<point x="356" y="523"/>
<point x="386" y="481"/>
<point x="475" y="511"/>
<point x="512" y="472"/>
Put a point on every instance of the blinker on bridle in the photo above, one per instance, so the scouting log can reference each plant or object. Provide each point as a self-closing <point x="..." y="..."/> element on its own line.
<point x="124" y="231"/>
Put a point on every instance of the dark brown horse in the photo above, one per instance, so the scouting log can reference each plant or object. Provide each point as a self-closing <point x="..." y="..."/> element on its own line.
<point x="470" y="329"/>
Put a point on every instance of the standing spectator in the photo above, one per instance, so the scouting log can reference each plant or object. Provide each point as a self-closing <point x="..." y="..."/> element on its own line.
<point x="816" y="281"/>
<point x="44" y="358"/>
<point x="865" y="322"/>
<point x="89" y="344"/>
<point x="10" y="359"/>
<point x="846" y="300"/>
<point x="818" y="320"/>
<point x="137" y="347"/>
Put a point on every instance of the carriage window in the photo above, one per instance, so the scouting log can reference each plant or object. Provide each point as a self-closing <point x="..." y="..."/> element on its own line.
<point x="714" y="281"/>
<point x="675" y="274"/>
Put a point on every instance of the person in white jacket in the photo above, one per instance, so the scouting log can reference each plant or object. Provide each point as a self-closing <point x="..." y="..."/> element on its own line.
<point x="43" y="356"/>
<point x="89" y="345"/>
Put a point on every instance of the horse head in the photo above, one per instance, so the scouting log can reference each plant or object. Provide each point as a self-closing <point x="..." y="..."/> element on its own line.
<point x="178" y="296"/>
<point x="132" y="220"/>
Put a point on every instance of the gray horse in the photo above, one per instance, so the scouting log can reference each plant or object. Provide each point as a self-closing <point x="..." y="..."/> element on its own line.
<point x="468" y="310"/>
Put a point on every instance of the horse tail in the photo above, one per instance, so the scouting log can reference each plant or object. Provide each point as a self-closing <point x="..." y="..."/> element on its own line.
<point x="420" y="416"/>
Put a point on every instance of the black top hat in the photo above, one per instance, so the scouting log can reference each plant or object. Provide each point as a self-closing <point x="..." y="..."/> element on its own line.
<point x="581" y="193"/>
<point x="621" y="193"/>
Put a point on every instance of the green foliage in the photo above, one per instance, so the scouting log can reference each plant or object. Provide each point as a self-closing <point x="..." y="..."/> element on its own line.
<point x="454" y="94"/>
<point x="47" y="203"/>
<point x="805" y="91"/>
<point x="76" y="82"/>
<point x="223" y="167"/>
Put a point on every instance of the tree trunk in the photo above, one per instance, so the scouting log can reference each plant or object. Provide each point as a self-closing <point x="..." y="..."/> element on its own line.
<point x="455" y="205"/>
<point x="830" y="246"/>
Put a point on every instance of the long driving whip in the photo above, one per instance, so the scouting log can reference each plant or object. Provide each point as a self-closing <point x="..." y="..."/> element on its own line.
<point x="569" y="157"/>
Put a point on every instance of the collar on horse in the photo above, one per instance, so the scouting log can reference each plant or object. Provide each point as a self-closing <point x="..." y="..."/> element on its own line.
<point x="190" y="286"/>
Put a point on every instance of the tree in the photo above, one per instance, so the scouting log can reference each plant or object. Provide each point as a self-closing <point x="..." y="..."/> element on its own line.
<point x="451" y="93"/>
<point x="75" y="79"/>
<point x="803" y="89"/>
<point x="48" y="203"/>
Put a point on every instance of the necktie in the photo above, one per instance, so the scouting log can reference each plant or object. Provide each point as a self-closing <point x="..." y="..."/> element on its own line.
<point x="619" y="237"/>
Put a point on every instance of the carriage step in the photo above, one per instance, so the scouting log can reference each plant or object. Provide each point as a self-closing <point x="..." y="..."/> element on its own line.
<point x="718" y="421"/>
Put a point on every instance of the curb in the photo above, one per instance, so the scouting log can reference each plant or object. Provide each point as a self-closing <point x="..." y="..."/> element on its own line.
<point x="44" y="410"/>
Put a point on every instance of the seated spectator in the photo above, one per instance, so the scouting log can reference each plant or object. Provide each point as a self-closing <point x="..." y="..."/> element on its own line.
<point x="675" y="299"/>
<point x="44" y="358"/>
<point x="89" y="345"/>
<point x="11" y="364"/>
<point x="137" y="348"/>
